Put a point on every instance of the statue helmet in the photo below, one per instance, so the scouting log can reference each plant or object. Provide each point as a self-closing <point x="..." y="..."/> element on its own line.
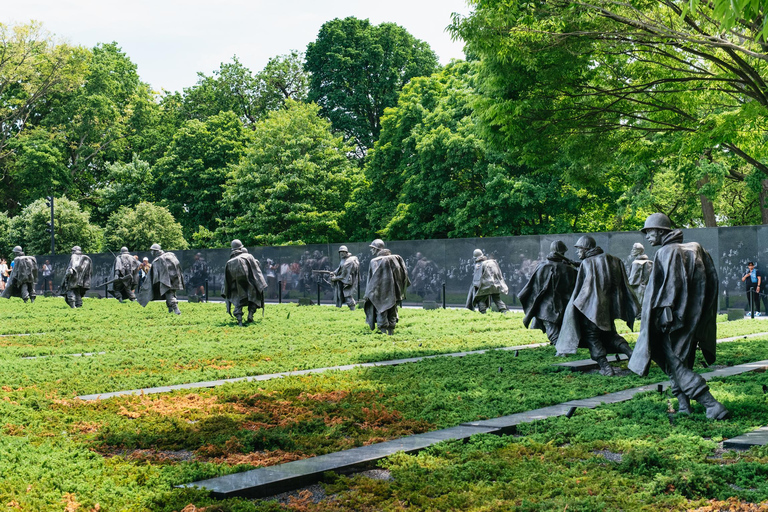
<point x="76" y="249"/>
<point x="123" y="250"/>
<point x="377" y="244"/>
<point x="155" y="247"/>
<point x="236" y="244"/>
<point x="638" y="248"/>
<point x="558" y="246"/>
<point x="657" y="221"/>
<point x="477" y="253"/>
<point x="17" y="249"/>
<point x="586" y="242"/>
<point x="343" y="248"/>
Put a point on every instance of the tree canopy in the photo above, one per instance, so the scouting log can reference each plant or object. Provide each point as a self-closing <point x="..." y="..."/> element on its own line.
<point x="292" y="185"/>
<point x="357" y="70"/>
<point x="141" y="226"/>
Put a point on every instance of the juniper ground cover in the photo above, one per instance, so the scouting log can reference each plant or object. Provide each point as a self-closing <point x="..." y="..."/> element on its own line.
<point x="127" y="453"/>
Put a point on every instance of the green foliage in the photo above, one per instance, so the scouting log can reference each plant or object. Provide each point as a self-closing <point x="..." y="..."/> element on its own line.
<point x="141" y="226"/>
<point x="566" y="89"/>
<point x="293" y="183"/>
<point x="432" y="175"/>
<point x="71" y="224"/>
<point x="128" y="184"/>
<point x="357" y="70"/>
<point x="96" y="120"/>
<point x="6" y="239"/>
<point x="191" y="175"/>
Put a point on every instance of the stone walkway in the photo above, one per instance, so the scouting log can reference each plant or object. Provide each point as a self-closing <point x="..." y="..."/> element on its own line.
<point x="746" y="441"/>
<point x="267" y="481"/>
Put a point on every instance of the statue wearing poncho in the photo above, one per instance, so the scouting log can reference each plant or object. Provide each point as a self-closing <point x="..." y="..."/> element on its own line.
<point x="165" y="277"/>
<point x="77" y="278"/>
<point x="487" y="285"/>
<point x="600" y="296"/>
<point x="385" y="289"/>
<point x="244" y="284"/>
<point x="21" y="282"/>
<point x="547" y="292"/>
<point x="679" y="314"/>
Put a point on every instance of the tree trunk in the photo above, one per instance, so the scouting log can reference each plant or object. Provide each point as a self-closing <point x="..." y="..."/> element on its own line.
<point x="707" y="208"/>
<point x="763" y="200"/>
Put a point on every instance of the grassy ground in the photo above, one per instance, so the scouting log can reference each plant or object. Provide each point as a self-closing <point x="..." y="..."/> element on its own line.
<point x="127" y="453"/>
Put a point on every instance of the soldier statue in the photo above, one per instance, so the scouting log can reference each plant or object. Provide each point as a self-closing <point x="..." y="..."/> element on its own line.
<point x="546" y="295"/>
<point x="487" y="284"/>
<point x="385" y="289"/>
<point x="125" y="276"/>
<point x="640" y="272"/>
<point x="679" y="314"/>
<point x="600" y="296"/>
<point x="165" y="277"/>
<point x="344" y="278"/>
<point x="21" y="282"/>
<point x="77" y="278"/>
<point x="244" y="283"/>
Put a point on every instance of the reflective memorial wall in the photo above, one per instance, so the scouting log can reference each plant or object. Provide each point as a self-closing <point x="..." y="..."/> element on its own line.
<point x="437" y="267"/>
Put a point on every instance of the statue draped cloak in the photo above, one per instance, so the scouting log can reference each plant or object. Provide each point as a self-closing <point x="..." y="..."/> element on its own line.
<point x="24" y="271"/>
<point x="548" y="291"/>
<point x="81" y="277"/>
<point x="243" y="281"/>
<point x="164" y="275"/>
<point x="601" y="294"/>
<point x="639" y="274"/>
<point x="487" y="280"/>
<point x="684" y="278"/>
<point x="387" y="281"/>
<point x="347" y="270"/>
<point x="126" y="271"/>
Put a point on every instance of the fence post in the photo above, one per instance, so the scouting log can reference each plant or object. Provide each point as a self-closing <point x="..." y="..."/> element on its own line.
<point x="279" y="292"/>
<point x="318" y="293"/>
<point x="443" y="294"/>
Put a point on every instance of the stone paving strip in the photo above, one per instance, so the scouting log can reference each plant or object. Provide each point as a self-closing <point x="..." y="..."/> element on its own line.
<point x="84" y="354"/>
<point x="270" y="376"/>
<point x="746" y="441"/>
<point x="267" y="481"/>
<point x="582" y="365"/>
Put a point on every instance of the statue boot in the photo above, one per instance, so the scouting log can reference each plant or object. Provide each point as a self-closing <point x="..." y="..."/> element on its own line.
<point x="250" y="317"/>
<point x="351" y="307"/>
<point x="25" y="300"/>
<point x="605" y="368"/>
<point x="239" y="320"/>
<point x="176" y="309"/>
<point x="383" y="330"/>
<point x="32" y="300"/>
<point x="624" y="349"/>
<point x="683" y="404"/>
<point x="715" y="410"/>
<point x="390" y="331"/>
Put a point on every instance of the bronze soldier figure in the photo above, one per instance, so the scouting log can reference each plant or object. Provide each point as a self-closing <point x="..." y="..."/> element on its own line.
<point x="487" y="285"/>
<point x="546" y="295"/>
<point x="385" y="289"/>
<point x="165" y="277"/>
<point x="21" y="282"/>
<point x="125" y="276"/>
<point x="344" y="278"/>
<point x="600" y="296"/>
<point x="640" y="272"/>
<point x="679" y="314"/>
<point x="77" y="278"/>
<point x="244" y="283"/>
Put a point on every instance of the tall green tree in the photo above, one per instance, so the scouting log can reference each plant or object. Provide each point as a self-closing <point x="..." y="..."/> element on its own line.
<point x="191" y="175"/>
<point x="572" y="82"/>
<point x="292" y="185"/>
<point x="127" y="184"/>
<point x="357" y="70"/>
<point x="431" y="174"/>
<point x="72" y="226"/>
<point x="34" y="68"/>
<point x="141" y="226"/>
<point x="97" y="120"/>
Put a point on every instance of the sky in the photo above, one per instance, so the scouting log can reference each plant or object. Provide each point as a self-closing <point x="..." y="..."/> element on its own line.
<point x="171" y="40"/>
